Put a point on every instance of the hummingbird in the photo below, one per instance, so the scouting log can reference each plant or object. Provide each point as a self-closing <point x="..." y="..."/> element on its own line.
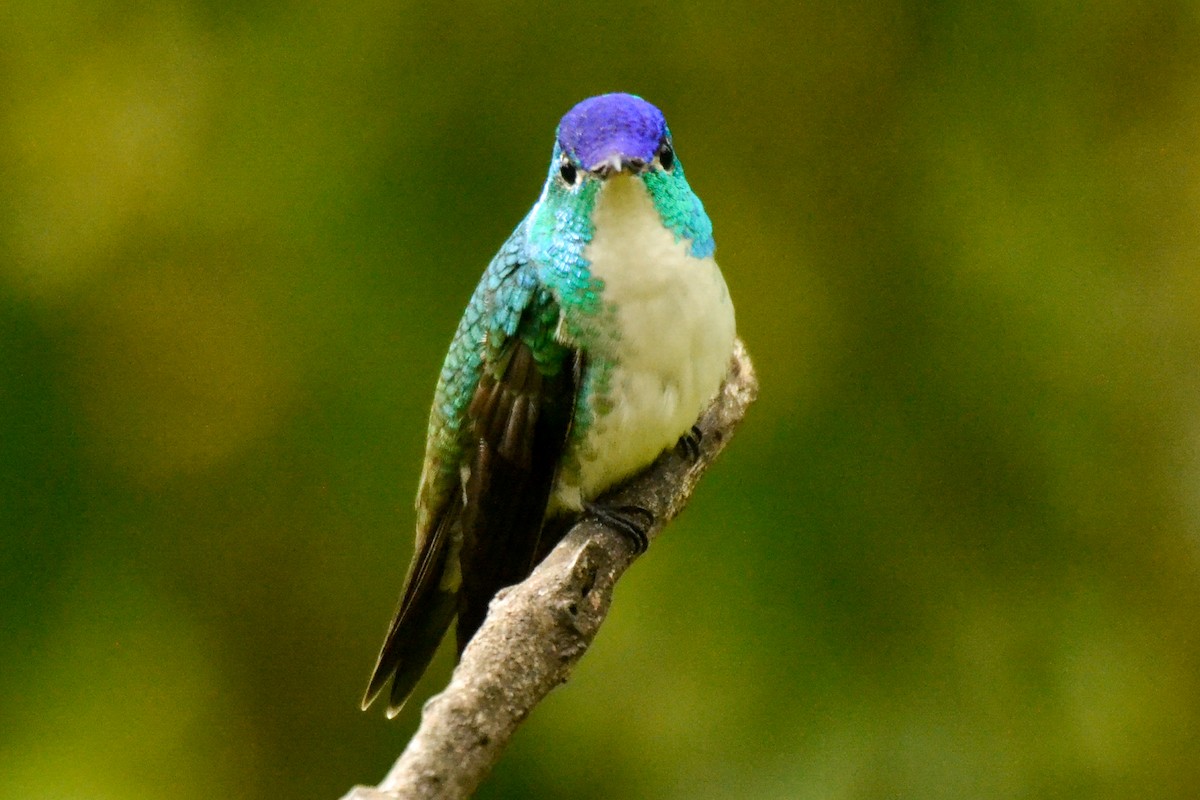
<point x="594" y="340"/>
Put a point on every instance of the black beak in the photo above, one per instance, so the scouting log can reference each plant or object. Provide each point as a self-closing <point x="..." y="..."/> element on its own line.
<point x="618" y="164"/>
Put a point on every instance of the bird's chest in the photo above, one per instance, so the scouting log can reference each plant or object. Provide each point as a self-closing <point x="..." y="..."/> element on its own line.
<point x="661" y="343"/>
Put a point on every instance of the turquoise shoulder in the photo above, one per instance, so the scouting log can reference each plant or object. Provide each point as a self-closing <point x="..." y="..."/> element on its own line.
<point x="509" y="303"/>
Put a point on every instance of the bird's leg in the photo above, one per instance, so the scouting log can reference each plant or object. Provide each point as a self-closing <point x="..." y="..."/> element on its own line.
<point x="631" y="521"/>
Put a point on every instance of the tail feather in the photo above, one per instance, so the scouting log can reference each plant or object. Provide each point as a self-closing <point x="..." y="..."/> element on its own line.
<point x="421" y="619"/>
<point x="409" y="648"/>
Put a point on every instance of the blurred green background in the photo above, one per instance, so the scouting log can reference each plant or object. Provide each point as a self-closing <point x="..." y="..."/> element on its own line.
<point x="952" y="554"/>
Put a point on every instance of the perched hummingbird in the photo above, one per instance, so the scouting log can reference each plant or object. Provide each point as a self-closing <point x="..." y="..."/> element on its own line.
<point x="594" y="340"/>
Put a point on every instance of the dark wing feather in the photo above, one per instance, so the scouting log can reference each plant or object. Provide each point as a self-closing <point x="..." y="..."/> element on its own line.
<point x="520" y="421"/>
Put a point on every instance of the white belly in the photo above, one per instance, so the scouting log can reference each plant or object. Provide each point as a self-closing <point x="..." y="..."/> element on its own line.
<point x="670" y="346"/>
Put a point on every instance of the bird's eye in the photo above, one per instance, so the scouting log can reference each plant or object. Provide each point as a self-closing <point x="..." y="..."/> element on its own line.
<point x="666" y="156"/>
<point x="568" y="172"/>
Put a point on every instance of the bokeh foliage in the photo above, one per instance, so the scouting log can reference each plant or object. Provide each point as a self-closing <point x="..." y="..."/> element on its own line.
<point x="952" y="554"/>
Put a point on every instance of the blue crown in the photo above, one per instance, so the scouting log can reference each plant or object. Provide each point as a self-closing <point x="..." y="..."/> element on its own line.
<point x="621" y="125"/>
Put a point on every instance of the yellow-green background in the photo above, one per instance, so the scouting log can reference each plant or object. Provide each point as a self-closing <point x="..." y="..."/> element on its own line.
<point x="952" y="554"/>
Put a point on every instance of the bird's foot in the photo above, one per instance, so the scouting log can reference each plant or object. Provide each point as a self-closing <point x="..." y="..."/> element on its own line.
<point x="689" y="443"/>
<point x="631" y="521"/>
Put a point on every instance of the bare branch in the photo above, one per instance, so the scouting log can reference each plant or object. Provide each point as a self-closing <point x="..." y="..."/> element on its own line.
<point x="535" y="632"/>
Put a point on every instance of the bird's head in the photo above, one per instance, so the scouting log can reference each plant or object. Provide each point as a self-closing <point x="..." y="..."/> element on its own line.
<point x="614" y="142"/>
<point x="610" y="135"/>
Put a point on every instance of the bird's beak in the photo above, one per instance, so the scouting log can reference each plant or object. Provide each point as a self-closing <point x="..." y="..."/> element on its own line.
<point x="616" y="164"/>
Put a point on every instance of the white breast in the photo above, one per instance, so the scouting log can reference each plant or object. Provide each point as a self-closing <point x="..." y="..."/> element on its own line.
<point x="672" y="343"/>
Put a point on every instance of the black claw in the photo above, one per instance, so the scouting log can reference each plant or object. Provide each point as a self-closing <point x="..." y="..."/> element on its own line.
<point x="690" y="442"/>
<point x="632" y="521"/>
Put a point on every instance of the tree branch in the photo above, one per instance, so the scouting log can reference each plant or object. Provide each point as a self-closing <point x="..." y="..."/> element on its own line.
<point x="536" y="631"/>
